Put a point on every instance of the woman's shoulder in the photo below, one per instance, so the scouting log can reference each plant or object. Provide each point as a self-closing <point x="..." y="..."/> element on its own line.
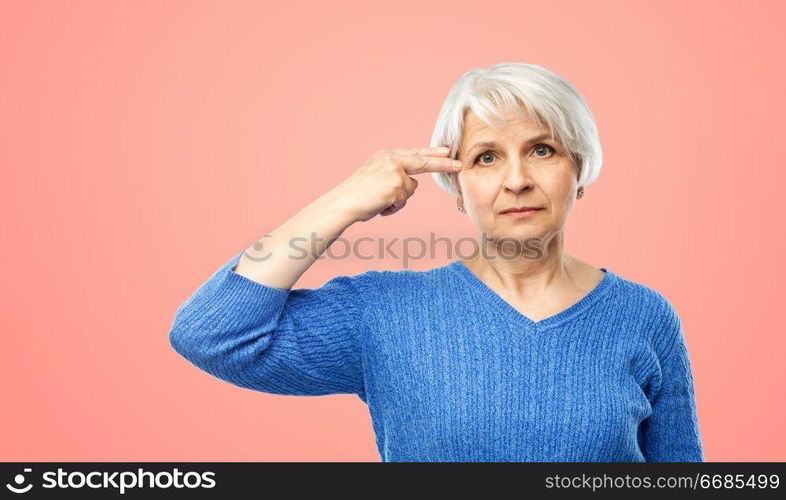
<point x="399" y="279"/>
<point x="647" y="297"/>
<point x="378" y="280"/>
<point x="381" y="293"/>
<point x="655" y="311"/>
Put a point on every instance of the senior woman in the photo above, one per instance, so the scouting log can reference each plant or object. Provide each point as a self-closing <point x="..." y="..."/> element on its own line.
<point x="518" y="353"/>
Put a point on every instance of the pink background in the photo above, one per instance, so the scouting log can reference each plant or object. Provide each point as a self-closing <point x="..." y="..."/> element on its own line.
<point x="145" y="143"/>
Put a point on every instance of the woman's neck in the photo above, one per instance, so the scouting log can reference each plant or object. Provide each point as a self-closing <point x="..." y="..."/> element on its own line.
<point x="529" y="275"/>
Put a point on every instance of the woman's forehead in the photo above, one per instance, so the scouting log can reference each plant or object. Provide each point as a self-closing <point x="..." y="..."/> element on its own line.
<point x="477" y="133"/>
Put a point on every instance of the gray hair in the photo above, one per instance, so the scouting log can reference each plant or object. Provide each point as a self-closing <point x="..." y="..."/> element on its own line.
<point x="546" y="96"/>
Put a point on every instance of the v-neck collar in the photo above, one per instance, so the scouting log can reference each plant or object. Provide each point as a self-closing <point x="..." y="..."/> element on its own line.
<point x="609" y="279"/>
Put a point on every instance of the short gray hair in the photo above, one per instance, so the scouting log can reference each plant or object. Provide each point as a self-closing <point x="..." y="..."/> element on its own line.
<point x="546" y="96"/>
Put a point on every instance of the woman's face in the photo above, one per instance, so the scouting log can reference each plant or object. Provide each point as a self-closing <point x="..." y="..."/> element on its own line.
<point x="515" y="165"/>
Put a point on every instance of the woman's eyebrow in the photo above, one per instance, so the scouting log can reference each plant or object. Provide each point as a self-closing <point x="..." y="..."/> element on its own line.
<point x="492" y="144"/>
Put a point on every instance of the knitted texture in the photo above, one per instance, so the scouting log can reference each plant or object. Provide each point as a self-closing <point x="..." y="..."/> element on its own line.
<point x="450" y="371"/>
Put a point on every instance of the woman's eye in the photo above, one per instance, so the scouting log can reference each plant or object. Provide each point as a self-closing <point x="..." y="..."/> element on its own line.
<point x="486" y="154"/>
<point x="544" y="146"/>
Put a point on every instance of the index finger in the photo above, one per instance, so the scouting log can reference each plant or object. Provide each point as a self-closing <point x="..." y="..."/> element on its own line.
<point x="417" y="164"/>
<point x="435" y="150"/>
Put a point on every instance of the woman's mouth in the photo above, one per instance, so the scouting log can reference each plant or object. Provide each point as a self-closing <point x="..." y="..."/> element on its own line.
<point x="521" y="213"/>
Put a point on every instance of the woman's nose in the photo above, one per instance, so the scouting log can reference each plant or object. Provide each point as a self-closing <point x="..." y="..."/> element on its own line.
<point x="517" y="176"/>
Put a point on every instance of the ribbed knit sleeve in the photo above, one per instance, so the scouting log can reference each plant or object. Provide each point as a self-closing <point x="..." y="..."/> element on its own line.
<point x="279" y="341"/>
<point x="671" y="433"/>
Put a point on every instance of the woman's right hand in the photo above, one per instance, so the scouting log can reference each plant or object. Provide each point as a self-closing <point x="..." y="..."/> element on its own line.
<point x="383" y="184"/>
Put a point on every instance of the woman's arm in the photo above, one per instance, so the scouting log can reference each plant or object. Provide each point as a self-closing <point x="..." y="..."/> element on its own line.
<point x="381" y="186"/>
<point x="279" y="258"/>
<point x="247" y="326"/>
<point x="278" y="341"/>
<point x="671" y="433"/>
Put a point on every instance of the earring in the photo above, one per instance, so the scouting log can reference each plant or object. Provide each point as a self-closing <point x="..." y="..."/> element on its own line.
<point x="461" y="209"/>
<point x="580" y="192"/>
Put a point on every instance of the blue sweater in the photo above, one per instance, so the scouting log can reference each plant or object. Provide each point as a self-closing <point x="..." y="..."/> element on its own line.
<point x="450" y="371"/>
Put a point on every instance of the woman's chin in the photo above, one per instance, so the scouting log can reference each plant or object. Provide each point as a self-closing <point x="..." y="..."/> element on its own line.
<point x="518" y="230"/>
